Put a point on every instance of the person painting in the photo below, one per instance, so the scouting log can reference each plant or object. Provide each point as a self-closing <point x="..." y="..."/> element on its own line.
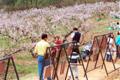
<point x="75" y="37"/>
<point x="118" y="25"/>
<point x="117" y="41"/>
<point x="40" y="51"/>
<point x="111" y="49"/>
<point x="56" y="43"/>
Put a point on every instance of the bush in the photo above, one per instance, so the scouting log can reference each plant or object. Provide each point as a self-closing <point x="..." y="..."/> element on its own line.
<point x="23" y="4"/>
<point x="8" y="2"/>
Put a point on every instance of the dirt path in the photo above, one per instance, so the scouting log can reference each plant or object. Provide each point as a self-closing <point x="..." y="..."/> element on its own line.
<point x="30" y="77"/>
<point x="98" y="74"/>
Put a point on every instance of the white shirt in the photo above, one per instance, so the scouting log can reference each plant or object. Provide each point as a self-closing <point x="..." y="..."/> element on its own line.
<point x="110" y="42"/>
<point x="87" y="47"/>
<point x="118" y="26"/>
<point x="72" y="35"/>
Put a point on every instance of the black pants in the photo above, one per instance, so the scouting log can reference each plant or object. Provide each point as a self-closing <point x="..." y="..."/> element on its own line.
<point x="108" y="57"/>
<point x="118" y="51"/>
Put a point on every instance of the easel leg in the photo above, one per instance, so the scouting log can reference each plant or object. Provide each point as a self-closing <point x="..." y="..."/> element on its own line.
<point x="15" y="68"/>
<point x="112" y="60"/>
<point x="99" y="46"/>
<point x="87" y="65"/>
<point x="69" y="64"/>
<point x="83" y="66"/>
<point x="6" y="72"/>
<point x="104" y="64"/>
<point x="96" y="61"/>
<point x="56" y="66"/>
<point x="66" y="73"/>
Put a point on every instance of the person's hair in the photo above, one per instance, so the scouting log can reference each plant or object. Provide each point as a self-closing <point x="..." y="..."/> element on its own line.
<point x="118" y="33"/>
<point x="57" y="37"/>
<point x="75" y="28"/>
<point x="110" y="35"/>
<point x="43" y="36"/>
<point x="117" y="23"/>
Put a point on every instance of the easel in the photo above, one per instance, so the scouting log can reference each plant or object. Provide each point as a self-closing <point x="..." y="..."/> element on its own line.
<point x="9" y="58"/>
<point x="56" y="63"/>
<point x="80" y="60"/>
<point x="100" y="44"/>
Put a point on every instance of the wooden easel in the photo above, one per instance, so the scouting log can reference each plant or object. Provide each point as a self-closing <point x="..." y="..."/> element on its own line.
<point x="63" y="52"/>
<point x="101" y="44"/>
<point x="9" y="58"/>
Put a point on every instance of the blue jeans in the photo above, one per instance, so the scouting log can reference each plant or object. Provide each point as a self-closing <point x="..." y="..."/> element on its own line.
<point x="41" y="64"/>
<point x="40" y="67"/>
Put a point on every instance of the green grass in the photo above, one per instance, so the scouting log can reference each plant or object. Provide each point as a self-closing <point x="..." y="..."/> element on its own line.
<point x="4" y="42"/>
<point x="25" y="56"/>
<point x="26" y="64"/>
<point x="26" y="69"/>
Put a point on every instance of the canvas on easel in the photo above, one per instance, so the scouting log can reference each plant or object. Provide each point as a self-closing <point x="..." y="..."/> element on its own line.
<point x="2" y="67"/>
<point x="47" y="71"/>
<point x="62" y="69"/>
